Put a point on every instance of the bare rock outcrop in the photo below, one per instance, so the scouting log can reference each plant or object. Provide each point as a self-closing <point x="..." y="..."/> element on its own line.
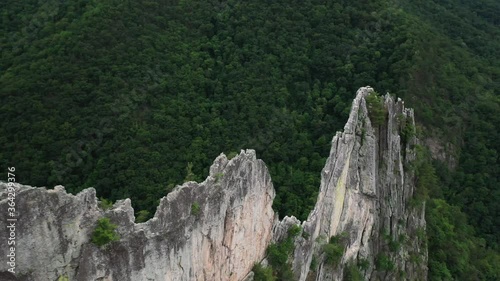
<point x="214" y="230"/>
<point x="218" y="229"/>
<point x="366" y="200"/>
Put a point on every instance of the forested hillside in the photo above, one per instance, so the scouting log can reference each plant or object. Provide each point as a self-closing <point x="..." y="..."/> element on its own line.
<point x="135" y="97"/>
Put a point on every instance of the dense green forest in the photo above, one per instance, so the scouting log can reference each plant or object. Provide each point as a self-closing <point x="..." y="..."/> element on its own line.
<point x="135" y="97"/>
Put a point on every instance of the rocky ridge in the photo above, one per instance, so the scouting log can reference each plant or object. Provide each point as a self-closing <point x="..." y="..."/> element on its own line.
<point x="367" y="200"/>
<point x="218" y="229"/>
<point x="214" y="230"/>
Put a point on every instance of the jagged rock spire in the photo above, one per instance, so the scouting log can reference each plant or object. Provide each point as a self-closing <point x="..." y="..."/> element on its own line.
<point x="365" y="196"/>
<point x="217" y="229"/>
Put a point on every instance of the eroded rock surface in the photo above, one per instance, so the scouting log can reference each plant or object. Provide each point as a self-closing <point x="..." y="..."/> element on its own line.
<point x="221" y="241"/>
<point x="365" y="198"/>
<point x="216" y="230"/>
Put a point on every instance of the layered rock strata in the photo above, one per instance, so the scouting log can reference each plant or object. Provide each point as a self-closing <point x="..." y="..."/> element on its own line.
<point x="214" y="230"/>
<point x="217" y="229"/>
<point x="366" y="200"/>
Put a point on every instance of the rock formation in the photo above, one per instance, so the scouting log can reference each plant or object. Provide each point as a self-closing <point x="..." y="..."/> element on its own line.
<point x="367" y="202"/>
<point x="218" y="229"/>
<point x="214" y="230"/>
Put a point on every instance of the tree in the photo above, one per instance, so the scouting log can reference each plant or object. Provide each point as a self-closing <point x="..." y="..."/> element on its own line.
<point x="104" y="232"/>
<point x="376" y="109"/>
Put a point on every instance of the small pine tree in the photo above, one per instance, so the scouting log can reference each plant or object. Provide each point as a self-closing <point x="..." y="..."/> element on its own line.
<point x="195" y="209"/>
<point x="105" y="204"/>
<point x="352" y="273"/>
<point x="142" y="216"/>
<point x="190" y="176"/>
<point x="262" y="273"/>
<point x="376" y="109"/>
<point x="104" y="232"/>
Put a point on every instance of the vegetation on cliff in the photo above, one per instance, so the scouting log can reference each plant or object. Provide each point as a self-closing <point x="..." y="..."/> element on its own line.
<point x="104" y="232"/>
<point x="126" y="95"/>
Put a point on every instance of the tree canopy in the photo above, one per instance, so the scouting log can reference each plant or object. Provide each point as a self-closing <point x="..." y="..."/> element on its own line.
<point x="134" y="97"/>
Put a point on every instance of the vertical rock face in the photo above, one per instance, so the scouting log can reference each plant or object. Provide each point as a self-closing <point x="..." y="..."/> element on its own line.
<point x="365" y="200"/>
<point x="215" y="230"/>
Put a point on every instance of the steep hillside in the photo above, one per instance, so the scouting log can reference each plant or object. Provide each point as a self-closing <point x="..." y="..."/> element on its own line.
<point x="135" y="97"/>
<point x="118" y="94"/>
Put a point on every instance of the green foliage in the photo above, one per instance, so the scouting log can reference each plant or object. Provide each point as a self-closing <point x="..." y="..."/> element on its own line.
<point x="454" y="252"/>
<point x="218" y="176"/>
<point x="104" y="232"/>
<point x="294" y="230"/>
<point x="394" y="245"/>
<point x="134" y="123"/>
<point x="190" y="176"/>
<point x="473" y="186"/>
<point x="339" y="239"/>
<point x="105" y="204"/>
<point x="363" y="135"/>
<point x="415" y="258"/>
<point x="363" y="264"/>
<point x="262" y="273"/>
<point x="463" y="107"/>
<point x="401" y="274"/>
<point x="426" y="179"/>
<point x="278" y="254"/>
<point x="352" y="273"/>
<point x="376" y="109"/>
<point x="421" y="234"/>
<point x="407" y="131"/>
<point x="63" y="278"/>
<point x="333" y="253"/>
<point x="403" y="238"/>
<point x="195" y="209"/>
<point x="314" y="263"/>
<point x="334" y="250"/>
<point x="231" y="155"/>
<point x="384" y="263"/>
<point x="142" y="216"/>
<point x="285" y="274"/>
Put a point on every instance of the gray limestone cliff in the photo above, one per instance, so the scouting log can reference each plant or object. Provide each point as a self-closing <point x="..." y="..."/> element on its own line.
<point x="218" y="229"/>
<point x="214" y="230"/>
<point x="367" y="200"/>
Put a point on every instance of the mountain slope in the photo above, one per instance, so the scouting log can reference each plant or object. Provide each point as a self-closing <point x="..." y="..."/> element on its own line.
<point x="134" y="97"/>
<point x="368" y="209"/>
